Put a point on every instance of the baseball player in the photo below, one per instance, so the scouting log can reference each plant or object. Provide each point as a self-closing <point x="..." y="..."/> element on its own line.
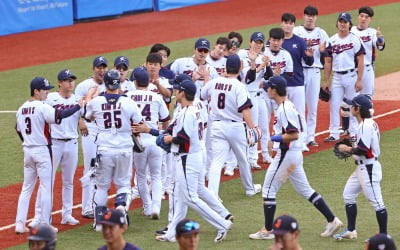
<point x="230" y="105"/>
<point x="121" y="63"/>
<point x="288" y="163"/>
<point x="216" y="57"/>
<point x="187" y="234"/>
<point x="379" y="242"/>
<point x="42" y="237"/>
<point x="187" y="147"/>
<point x="113" y="114"/>
<point x="154" y="110"/>
<point x="236" y="41"/>
<point x="315" y="38"/>
<point x="372" y="40"/>
<point x="300" y="53"/>
<point x="346" y="59"/>
<point x="89" y="131"/>
<point x="33" y="118"/>
<point x="368" y="173"/>
<point x="251" y="75"/>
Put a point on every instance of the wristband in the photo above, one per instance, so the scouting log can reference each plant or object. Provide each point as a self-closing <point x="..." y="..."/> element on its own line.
<point x="381" y="40"/>
<point x="277" y="138"/>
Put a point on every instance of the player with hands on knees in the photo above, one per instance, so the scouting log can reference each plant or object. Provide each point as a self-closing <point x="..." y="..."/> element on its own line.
<point x="367" y="175"/>
<point x="288" y="163"/>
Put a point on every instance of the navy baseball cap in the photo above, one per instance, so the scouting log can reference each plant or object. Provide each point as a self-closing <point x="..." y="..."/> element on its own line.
<point x="179" y="78"/>
<point x="186" y="86"/>
<point x="202" y="43"/>
<point x="65" y="74"/>
<point x="257" y="36"/>
<point x="187" y="226"/>
<point x="40" y="83"/>
<point x="380" y="242"/>
<point x="285" y="224"/>
<point x="113" y="217"/>
<point x="344" y="16"/>
<point x="121" y="60"/>
<point x="276" y="82"/>
<point x="233" y="62"/>
<point x="362" y="101"/>
<point x="141" y="75"/>
<point x="100" y="61"/>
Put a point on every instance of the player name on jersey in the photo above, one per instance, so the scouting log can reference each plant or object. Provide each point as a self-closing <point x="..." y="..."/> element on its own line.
<point x="28" y="111"/>
<point x="223" y="86"/>
<point x="111" y="106"/>
<point x="142" y="98"/>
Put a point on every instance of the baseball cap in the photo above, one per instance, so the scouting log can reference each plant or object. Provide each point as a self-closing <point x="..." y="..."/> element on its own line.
<point x="187" y="226"/>
<point x="285" y="224"/>
<point x="65" y="74"/>
<point x="141" y="75"/>
<point x="202" y="43"/>
<point x="42" y="232"/>
<point x="276" y="82"/>
<point x="113" y="217"/>
<point x="233" y="62"/>
<point x="99" y="61"/>
<point x="344" y="16"/>
<point x="40" y="83"/>
<point x="363" y="101"/>
<point x="179" y="78"/>
<point x="186" y="86"/>
<point x="380" y="242"/>
<point x="121" y="60"/>
<point x="257" y="36"/>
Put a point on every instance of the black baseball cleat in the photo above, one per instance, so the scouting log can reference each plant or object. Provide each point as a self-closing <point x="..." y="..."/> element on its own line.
<point x="330" y="139"/>
<point x="162" y="231"/>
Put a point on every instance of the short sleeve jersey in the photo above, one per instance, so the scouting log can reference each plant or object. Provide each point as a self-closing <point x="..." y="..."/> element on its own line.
<point x="368" y="137"/>
<point x="369" y="39"/>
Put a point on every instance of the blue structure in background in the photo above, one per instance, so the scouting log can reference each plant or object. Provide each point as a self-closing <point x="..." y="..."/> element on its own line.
<point x="27" y="15"/>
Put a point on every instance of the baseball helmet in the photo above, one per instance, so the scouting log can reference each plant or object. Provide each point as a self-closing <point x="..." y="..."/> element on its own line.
<point x="44" y="232"/>
<point x="112" y="79"/>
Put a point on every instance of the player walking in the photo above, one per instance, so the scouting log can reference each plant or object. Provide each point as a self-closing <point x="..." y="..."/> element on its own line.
<point x="113" y="114"/>
<point x="33" y="119"/>
<point x="89" y="131"/>
<point x="154" y="110"/>
<point x="315" y="38"/>
<point x="368" y="173"/>
<point x="230" y="105"/>
<point x="346" y="59"/>
<point x="288" y="163"/>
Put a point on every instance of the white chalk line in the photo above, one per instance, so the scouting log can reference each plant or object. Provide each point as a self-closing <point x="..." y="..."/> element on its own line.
<point x="111" y="196"/>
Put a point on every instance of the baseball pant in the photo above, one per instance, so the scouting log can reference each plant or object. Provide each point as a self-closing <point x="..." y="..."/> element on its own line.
<point x="312" y="79"/>
<point x="89" y="149"/>
<point x="368" y="80"/>
<point x="297" y="96"/>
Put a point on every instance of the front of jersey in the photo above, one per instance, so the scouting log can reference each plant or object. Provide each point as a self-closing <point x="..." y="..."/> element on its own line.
<point x="280" y="59"/>
<point x="369" y="39"/>
<point x="67" y="129"/>
<point x="33" y="119"/>
<point x="253" y="86"/>
<point x="218" y="64"/>
<point x="287" y="120"/>
<point x="113" y="116"/>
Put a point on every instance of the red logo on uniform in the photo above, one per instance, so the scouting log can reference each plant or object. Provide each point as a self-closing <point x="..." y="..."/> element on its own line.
<point x="107" y="215"/>
<point x="278" y="223"/>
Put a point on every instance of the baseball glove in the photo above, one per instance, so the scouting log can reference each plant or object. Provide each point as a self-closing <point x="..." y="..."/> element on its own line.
<point x="342" y="155"/>
<point x="253" y="135"/>
<point x="324" y="94"/>
<point x="138" y="145"/>
<point x="161" y="143"/>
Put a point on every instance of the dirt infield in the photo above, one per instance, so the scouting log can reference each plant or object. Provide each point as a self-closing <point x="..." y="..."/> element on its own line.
<point x="88" y="39"/>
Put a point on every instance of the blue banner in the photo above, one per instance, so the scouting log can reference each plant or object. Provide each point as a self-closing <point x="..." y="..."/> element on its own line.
<point x="137" y="5"/>
<point x="97" y="8"/>
<point x="160" y="5"/>
<point x="26" y="15"/>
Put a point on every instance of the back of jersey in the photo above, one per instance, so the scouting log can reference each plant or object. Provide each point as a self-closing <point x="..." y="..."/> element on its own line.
<point x="33" y="119"/>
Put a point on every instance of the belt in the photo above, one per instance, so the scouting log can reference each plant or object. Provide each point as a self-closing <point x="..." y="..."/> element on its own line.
<point x="65" y="140"/>
<point x="367" y="161"/>
<point x="175" y="154"/>
<point x="345" y="72"/>
<point x="225" y="120"/>
<point x="308" y="67"/>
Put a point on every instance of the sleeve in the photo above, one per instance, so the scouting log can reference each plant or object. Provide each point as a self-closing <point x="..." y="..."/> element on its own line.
<point x="309" y="60"/>
<point x="88" y="110"/>
<point x="136" y="115"/>
<point x="243" y="99"/>
<point x="290" y="121"/>
<point x="175" y="67"/>
<point x="364" y="144"/>
<point x="163" y="111"/>
<point x="359" y="48"/>
<point x="204" y="92"/>
<point x="51" y="115"/>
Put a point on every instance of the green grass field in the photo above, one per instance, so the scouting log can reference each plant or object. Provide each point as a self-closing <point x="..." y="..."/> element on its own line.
<point x="326" y="174"/>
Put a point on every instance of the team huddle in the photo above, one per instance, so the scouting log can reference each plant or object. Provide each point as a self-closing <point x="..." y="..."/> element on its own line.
<point x="223" y="100"/>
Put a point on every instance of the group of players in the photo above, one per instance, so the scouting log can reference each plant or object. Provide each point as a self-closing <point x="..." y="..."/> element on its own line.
<point x="219" y="93"/>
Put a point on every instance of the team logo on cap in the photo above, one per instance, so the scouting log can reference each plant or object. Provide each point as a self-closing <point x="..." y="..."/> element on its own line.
<point x="122" y="59"/>
<point x="101" y="59"/>
<point x="259" y="34"/>
<point x="46" y="82"/>
<point x="204" y="42"/>
<point x="344" y="15"/>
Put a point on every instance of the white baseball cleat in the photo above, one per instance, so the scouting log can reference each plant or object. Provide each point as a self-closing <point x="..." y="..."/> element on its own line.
<point x="229" y="172"/>
<point x="221" y="235"/>
<point x="164" y="238"/>
<point x="33" y="223"/>
<point x="267" y="159"/>
<point x="346" y="234"/>
<point x="254" y="165"/>
<point x="69" y="220"/>
<point x="305" y="148"/>
<point x="263" y="234"/>
<point x="332" y="228"/>
<point x="20" y="228"/>
<point x="257" y="189"/>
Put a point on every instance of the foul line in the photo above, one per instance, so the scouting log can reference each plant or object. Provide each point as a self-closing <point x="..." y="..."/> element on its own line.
<point x="112" y="196"/>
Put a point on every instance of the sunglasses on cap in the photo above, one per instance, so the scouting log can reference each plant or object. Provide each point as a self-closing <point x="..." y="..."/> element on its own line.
<point x="190" y="226"/>
<point x="201" y="50"/>
<point x="236" y="44"/>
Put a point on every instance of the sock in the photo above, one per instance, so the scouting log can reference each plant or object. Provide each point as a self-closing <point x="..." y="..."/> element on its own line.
<point x="351" y="213"/>
<point x="381" y="216"/>
<point x="269" y="212"/>
<point x="345" y="123"/>
<point x="319" y="202"/>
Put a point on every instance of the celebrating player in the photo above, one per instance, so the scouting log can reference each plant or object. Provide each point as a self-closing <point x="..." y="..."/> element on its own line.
<point x="121" y="63"/>
<point x="368" y="173"/>
<point x="288" y="163"/>
<point x="236" y="40"/>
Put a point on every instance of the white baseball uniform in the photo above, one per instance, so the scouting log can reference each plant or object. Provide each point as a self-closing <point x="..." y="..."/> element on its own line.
<point x="153" y="110"/>
<point x="127" y="86"/>
<point x="312" y="75"/>
<point x="343" y="52"/>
